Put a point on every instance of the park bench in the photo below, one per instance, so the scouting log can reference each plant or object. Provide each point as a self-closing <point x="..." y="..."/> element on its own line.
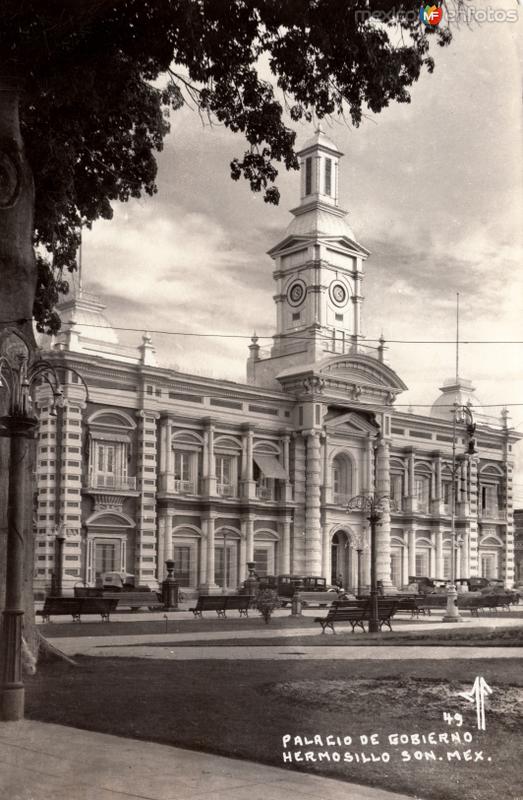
<point x="317" y="598"/>
<point x="357" y="612"/>
<point x="76" y="606"/>
<point x="221" y="604"/>
<point x="132" y="600"/>
<point x="412" y="604"/>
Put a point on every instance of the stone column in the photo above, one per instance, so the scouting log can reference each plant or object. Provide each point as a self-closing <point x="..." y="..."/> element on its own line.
<point x="287" y="494"/>
<point x="473" y="544"/>
<point x="410" y="504"/>
<point x="326" y="554"/>
<point x="248" y="485"/>
<point x="285" y="560"/>
<point x="242" y="574"/>
<point x="439" y="554"/>
<point x="405" y="565"/>
<point x="249" y="537"/>
<point x="383" y="527"/>
<point x="369" y="477"/>
<point x="210" y="586"/>
<point x="203" y="556"/>
<point x="162" y="525"/>
<point x="313" y="551"/>
<point x="465" y="560"/>
<point x="168" y="541"/>
<point x="412" y="551"/>
<point x="208" y="456"/>
<point x="298" y="550"/>
<point x="327" y="485"/>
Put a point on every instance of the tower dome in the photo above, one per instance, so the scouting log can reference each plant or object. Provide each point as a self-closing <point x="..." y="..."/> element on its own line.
<point x="459" y="392"/>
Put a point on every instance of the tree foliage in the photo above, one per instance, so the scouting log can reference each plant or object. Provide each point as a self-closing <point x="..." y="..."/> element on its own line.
<point x="93" y="113"/>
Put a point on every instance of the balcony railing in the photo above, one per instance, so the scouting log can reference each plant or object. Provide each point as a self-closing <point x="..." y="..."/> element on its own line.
<point x="185" y="487"/>
<point x="340" y="499"/>
<point x="492" y="512"/>
<point x="226" y="490"/>
<point x="116" y="482"/>
<point x="265" y="493"/>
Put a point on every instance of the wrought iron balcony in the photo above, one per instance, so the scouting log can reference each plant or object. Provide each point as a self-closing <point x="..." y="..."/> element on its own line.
<point x="122" y="483"/>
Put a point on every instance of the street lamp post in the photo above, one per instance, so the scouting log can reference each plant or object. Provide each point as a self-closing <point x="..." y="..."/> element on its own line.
<point x="375" y="507"/>
<point x="358" y="542"/>
<point x="461" y="414"/>
<point x="18" y="376"/>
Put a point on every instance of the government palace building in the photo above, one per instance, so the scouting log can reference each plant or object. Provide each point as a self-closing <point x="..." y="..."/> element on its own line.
<point x="150" y="463"/>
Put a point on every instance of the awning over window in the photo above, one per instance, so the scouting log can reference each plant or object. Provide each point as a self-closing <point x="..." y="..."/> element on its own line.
<point x="109" y="437"/>
<point x="270" y="466"/>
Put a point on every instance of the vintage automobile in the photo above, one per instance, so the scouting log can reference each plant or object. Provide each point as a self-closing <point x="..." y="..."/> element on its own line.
<point x="287" y="585"/>
<point x="428" y="585"/>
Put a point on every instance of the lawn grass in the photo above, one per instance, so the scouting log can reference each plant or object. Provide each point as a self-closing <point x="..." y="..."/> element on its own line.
<point x="243" y="709"/>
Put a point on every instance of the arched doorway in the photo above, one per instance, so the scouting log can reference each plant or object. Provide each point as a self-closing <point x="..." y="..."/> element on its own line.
<point x="341" y="559"/>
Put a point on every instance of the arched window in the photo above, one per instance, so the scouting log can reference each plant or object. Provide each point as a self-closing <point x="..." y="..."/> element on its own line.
<point x="342" y="489"/>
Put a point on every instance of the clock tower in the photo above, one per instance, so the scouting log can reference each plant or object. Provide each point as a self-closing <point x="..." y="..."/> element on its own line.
<point x="318" y="270"/>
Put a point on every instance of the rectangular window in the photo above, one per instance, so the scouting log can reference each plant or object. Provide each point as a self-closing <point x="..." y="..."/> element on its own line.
<point x="490" y="499"/>
<point x="184" y="471"/>
<point x="261" y="561"/>
<point x="328" y="176"/>
<point x="489" y="566"/>
<point x="105" y="558"/>
<point x="182" y="565"/>
<point x="218" y="566"/>
<point x="296" y="316"/>
<point x="395" y="568"/>
<point x="308" y="175"/>
<point x="105" y="458"/>
<point x="422" y="493"/>
<point x="422" y="563"/>
<point x="225" y="475"/>
<point x="396" y="492"/>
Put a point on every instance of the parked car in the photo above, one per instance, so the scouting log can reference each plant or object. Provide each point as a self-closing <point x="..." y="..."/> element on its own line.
<point x="115" y="581"/>
<point x="315" y="583"/>
<point x="428" y="585"/>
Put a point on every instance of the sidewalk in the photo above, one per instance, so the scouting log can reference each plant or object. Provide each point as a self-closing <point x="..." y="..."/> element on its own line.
<point x="41" y="761"/>
<point x="164" y="645"/>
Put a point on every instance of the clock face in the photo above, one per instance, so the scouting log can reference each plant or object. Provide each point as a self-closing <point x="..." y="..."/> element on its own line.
<point x="338" y="293"/>
<point x="296" y="293"/>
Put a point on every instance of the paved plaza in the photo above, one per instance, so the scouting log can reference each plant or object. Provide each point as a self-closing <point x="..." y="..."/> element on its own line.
<point x="42" y="761"/>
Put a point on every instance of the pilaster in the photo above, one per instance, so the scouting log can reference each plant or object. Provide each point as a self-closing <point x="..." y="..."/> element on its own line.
<point x="313" y="551"/>
<point x="298" y="539"/>
<point x="383" y="527"/>
<point x="473" y="544"/>
<point x="209" y="586"/>
<point x="285" y="563"/>
<point x="146" y="567"/>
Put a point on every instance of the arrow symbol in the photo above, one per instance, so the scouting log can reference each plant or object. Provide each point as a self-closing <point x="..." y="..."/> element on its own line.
<point x="477" y="694"/>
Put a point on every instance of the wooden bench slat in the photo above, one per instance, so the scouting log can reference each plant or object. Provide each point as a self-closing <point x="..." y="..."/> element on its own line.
<point x="76" y="606"/>
<point x="221" y="604"/>
<point x="357" y="612"/>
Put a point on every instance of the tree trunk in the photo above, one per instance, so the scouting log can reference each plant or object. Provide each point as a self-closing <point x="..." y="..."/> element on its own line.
<point x="18" y="278"/>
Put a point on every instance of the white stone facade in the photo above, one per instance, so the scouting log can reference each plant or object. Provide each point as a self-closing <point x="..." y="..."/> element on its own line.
<point x="153" y="464"/>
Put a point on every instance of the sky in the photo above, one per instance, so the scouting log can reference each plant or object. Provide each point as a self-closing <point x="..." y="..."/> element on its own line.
<point x="433" y="188"/>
